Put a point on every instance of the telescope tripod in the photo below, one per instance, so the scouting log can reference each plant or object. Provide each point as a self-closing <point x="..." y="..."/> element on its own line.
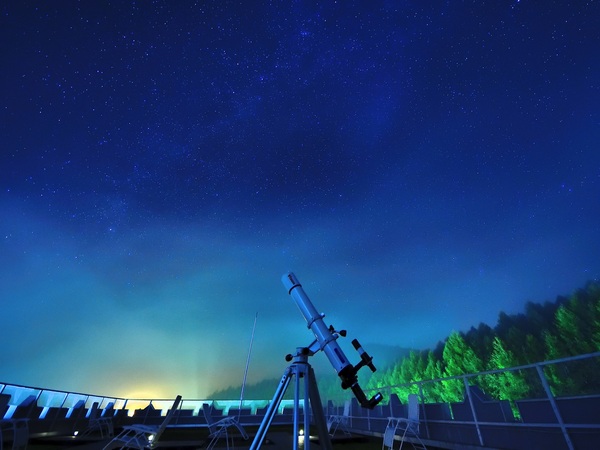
<point x="300" y="368"/>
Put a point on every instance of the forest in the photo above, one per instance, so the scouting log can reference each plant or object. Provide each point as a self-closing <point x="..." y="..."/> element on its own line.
<point x="569" y="326"/>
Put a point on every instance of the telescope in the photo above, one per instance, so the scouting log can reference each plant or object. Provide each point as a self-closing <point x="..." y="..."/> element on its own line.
<point x="326" y="341"/>
<point x="300" y="368"/>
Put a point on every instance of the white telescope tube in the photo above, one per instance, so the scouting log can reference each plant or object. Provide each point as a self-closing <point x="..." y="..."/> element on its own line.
<point x="314" y="321"/>
<point x="326" y="338"/>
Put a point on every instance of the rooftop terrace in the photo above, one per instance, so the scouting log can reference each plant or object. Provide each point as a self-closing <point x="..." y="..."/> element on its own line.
<point x="44" y="418"/>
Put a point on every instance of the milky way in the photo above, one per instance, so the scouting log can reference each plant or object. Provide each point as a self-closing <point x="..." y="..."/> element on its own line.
<point x="419" y="167"/>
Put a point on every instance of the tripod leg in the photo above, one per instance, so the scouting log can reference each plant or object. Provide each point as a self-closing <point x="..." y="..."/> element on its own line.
<point x="317" y="410"/>
<point x="272" y="409"/>
<point x="298" y="373"/>
<point x="307" y="370"/>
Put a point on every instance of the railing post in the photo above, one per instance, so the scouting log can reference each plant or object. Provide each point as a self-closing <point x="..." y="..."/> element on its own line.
<point x="422" y="405"/>
<point x="468" y="391"/>
<point x="546" y="386"/>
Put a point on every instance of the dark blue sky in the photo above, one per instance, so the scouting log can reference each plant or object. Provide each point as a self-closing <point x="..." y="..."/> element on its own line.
<point x="421" y="166"/>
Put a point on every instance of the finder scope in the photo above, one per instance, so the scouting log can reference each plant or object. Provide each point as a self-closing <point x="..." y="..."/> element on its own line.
<point x="326" y="338"/>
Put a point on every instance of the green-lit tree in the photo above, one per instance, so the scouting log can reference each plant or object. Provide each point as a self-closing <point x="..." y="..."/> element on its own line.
<point x="557" y="375"/>
<point x="508" y="385"/>
<point x="411" y="370"/>
<point x="480" y="340"/>
<point x="401" y="375"/>
<point x="574" y="324"/>
<point x="533" y="349"/>
<point x="546" y="331"/>
<point x="390" y="378"/>
<point x="380" y="380"/>
<point x="459" y="359"/>
<point x="596" y="326"/>
<point x="432" y="392"/>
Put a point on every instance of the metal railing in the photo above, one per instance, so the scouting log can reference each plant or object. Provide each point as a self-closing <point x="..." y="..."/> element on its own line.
<point x="561" y="407"/>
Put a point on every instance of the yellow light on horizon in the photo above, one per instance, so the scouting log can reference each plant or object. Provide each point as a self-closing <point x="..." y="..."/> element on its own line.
<point x="150" y="391"/>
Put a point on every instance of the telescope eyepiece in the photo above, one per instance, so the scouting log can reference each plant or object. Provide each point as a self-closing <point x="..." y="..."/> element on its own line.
<point x="365" y="358"/>
<point x="374" y="400"/>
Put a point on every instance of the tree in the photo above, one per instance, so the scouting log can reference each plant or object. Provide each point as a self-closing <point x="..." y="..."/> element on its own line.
<point x="553" y="330"/>
<point x="596" y="327"/>
<point x="459" y="359"/>
<point x="480" y="340"/>
<point x="556" y="374"/>
<point x="507" y="385"/>
<point x="533" y="349"/>
<point x="432" y="392"/>
<point x="402" y="376"/>
<point x="573" y="322"/>
<point x="574" y="325"/>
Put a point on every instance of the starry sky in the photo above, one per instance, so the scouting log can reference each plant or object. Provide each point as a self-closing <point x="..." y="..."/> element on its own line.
<point x="420" y="166"/>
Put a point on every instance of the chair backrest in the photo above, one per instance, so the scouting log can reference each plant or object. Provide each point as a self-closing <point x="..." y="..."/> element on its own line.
<point x="109" y="410"/>
<point x="168" y="418"/>
<point x="413" y="413"/>
<point x="208" y="417"/>
<point x="413" y="408"/>
<point x="4" y="399"/>
<point x="347" y="404"/>
<point x="93" y="412"/>
<point x="75" y="411"/>
<point x="27" y="409"/>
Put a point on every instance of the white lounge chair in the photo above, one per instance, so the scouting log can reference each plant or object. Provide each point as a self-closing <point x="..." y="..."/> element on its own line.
<point x="15" y="431"/>
<point x="405" y="427"/>
<point x="142" y="436"/>
<point x="336" y="421"/>
<point x="97" y="424"/>
<point x="220" y="428"/>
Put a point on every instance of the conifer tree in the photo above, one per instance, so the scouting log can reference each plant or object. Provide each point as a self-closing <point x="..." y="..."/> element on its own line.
<point x="557" y="375"/>
<point x="508" y="385"/>
<point x="596" y="326"/>
<point x="433" y="370"/>
<point x="533" y="349"/>
<point x="394" y="379"/>
<point x="574" y="328"/>
<point x="568" y="326"/>
<point x="459" y="359"/>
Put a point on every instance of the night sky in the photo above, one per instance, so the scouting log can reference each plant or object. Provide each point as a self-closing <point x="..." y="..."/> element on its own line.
<point x="419" y="165"/>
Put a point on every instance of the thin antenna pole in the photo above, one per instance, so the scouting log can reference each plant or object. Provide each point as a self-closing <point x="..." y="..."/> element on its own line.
<point x="247" y="364"/>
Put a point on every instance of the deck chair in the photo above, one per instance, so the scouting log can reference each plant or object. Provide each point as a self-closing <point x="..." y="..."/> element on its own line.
<point x="97" y="424"/>
<point x="15" y="432"/>
<point x="143" y="436"/>
<point x="220" y="428"/>
<point x="406" y="427"/>
<point x="4" y="404"/>
<point x="336" y="421"/>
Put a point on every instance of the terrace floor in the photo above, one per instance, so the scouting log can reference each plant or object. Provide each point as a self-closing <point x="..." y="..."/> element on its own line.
<point x="279" y="437"/>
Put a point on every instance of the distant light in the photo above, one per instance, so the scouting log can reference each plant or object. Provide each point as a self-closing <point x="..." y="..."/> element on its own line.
<point x="301" y="437"/>
<point x="150" y="438"/>
<point x="75" y="433"/>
